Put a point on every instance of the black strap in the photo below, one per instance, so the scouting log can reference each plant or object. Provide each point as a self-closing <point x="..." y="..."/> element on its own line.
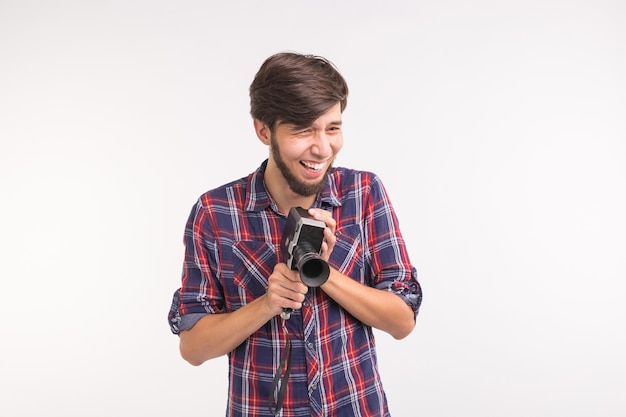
<point x="276" y="399"/>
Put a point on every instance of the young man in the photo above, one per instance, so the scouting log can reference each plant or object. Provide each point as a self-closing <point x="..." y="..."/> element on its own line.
<point x="235" y="283"/>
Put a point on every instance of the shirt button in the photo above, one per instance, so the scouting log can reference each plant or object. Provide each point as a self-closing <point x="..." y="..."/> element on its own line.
<point x="305" y="303"/>
<point x="313" y="387"/>
<point x="309" y="345"/>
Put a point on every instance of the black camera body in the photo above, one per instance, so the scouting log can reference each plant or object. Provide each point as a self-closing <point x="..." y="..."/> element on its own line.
<point x="301" y="245"/>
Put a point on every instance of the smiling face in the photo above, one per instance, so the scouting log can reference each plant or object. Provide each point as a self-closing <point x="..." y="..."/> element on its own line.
<point x="303" y="155"/>
<point x="300" y="156"/>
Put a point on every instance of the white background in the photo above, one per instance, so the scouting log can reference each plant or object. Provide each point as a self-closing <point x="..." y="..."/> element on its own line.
<point x="498" y="128"/>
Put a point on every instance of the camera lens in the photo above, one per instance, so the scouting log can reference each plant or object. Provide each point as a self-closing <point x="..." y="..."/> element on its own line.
<point x="314" y="270"/>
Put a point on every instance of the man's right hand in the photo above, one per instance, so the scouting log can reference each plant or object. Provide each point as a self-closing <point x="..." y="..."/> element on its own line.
<point x="285" y="289"/>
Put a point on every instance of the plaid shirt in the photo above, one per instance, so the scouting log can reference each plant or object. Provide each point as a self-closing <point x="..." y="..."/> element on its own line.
<point x="232" y="241"/>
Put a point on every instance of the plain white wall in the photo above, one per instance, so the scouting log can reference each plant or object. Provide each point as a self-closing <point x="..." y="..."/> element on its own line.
<point x="498" y="128"/>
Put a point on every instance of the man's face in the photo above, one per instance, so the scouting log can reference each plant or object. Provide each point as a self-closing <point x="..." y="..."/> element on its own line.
<point x="304" y="155"/>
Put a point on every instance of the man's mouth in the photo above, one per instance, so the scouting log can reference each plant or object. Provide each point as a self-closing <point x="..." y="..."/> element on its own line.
<point x="313" y="166"/>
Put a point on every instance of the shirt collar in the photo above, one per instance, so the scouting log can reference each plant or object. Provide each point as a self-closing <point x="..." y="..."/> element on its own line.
<point x="259" y="199"/>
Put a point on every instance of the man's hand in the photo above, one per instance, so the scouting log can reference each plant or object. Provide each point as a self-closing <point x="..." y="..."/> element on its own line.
<point x="329" y="233"/>
<point x="285" y="289"/>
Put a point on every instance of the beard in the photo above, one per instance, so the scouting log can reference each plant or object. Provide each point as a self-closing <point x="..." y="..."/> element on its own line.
<point x="297" y="186"/>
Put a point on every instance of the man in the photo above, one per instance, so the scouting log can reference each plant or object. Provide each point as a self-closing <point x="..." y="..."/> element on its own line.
<point x="235" y="283"/>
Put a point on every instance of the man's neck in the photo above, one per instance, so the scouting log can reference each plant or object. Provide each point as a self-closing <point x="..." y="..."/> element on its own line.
<point x="285" y="199"/>
<point x="282" y="194"/>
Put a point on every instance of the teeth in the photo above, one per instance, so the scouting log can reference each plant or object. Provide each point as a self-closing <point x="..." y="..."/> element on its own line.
<point x="315" y="167"/>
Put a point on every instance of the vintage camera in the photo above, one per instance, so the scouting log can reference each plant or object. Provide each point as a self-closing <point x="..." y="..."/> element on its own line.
<point x="301" y="245"/>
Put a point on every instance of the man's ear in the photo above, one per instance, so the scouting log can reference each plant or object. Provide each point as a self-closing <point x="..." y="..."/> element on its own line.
<point x="262" y="131"/>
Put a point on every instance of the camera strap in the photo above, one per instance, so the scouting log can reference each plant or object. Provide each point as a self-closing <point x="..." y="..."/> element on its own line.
<point x="276" y="399"/>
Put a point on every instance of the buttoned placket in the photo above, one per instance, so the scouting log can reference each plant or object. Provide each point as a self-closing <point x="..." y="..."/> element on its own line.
<point x="312" y="358"/>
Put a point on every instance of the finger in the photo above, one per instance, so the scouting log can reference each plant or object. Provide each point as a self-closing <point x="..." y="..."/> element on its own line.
<point x="288" y="279"/>
<point x="287" y="273"/>
<point x="284" y="293"/>
<point x="325" y="216"/>
<point x="329" y="237"/>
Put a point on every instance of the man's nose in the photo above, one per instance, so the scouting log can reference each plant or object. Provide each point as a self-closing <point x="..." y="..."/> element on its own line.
<point x="322" y="146"/>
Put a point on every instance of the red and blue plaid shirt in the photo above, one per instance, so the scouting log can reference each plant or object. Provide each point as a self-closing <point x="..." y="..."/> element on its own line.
<point x="232" y="242"/>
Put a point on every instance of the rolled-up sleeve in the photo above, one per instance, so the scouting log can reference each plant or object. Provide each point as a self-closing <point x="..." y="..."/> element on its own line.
<point x="409" y="290"/>
<point x="180" y="323"/>
<point x="391" y="266"/>
<point x="199" y="293"/>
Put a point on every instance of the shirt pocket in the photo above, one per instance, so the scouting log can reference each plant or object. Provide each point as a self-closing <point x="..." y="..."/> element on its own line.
<point x="253" y="262"/>
<point x="347" y="256"/>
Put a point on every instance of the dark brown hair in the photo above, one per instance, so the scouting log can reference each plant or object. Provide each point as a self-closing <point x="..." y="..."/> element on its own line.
<point x="296" y="89"/>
